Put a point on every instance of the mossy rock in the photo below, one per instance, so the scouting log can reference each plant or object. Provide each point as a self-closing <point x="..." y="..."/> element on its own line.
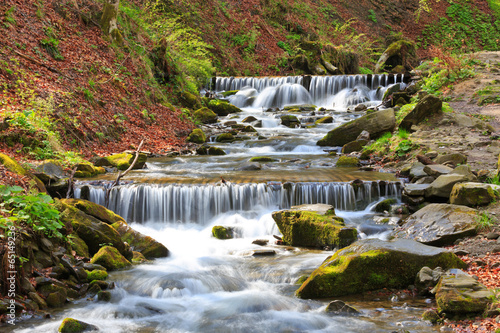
<point x="122" y="161"/>
<point x="210" y="151"/>
<point x="300" y="107"/>
<point x="95" y="210"/>
<point x="229" y="93"/>
<point x="474" y="194"/>
<point x="205" y="115"/>
<point x="15" y="167"/>
<point x="110" y="258"/>
<point x="103" y="296"/>
<point x="138" y="258"/>
<point x="197" y="136"/>
<point x="190" y="101"/>
<point x="146" y="245"/>
<point x="221" y="232"/>
<point x="79" y="246"/>
<point x="97" y="274"/>
<point x="372" y="264"/>
<point x="248" y="129"/>
<point x="347" y="161"/>
<point x="70" y="325"/>
<point x="385" y="205"/>
<point x="400" y="55"/>
<point x="290" y="121"/>
<point x="85" y="170"/>
<point x="311" y="229"/>
<point x="324" y="120"/>
<point x="222" y="108"/>
<point x="224" y="137"/>
<point x="263" y="159"/>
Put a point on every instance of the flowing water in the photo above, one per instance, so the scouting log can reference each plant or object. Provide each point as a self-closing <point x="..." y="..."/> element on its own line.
<point x="210" y="285"/>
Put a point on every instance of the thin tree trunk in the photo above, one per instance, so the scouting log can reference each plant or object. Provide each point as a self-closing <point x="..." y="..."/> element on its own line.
<point x="108" y="20"/>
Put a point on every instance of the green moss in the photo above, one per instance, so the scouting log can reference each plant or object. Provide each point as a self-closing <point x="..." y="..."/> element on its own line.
<point x="229" y="93"/>
<point x="324" y="120"/>
<point x="385" y="205"/>
<point x="97" y="275"/>
<point x="79" y="246"/>
<point x="110" y="258"/>
<point x="263" y="159"/>
<point x="197" y="136"/>
<point x="191" y="101"/>
<point x="221" y="232"/>
<point x="347" y="161"/>
<point x="121" y="161"/>
<point x="146" y="245"/>
<point x="70" y="325"/>
<point x="12" y="165"/>
<point x="95" y="210"/>
<point x="205" y="115"/>
<point x="224" y="137"/>
<point x="222" y="108"/>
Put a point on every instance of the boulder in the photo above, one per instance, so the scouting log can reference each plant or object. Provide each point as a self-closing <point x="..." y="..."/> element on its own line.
<point x="341" y="308"/>
<point x="385" y="205"/>
<point x="474" y="194"/>
<point x="196" y="136"/>
<point x="249" y="119"/>
<point x="290" y="121"/>
<point x="49" y="172"/>
<point x="121" y="161"/>
<point x="205" y="115"/>
<point x="415" y="190"/>
<point x="439" y="224"/>
<point x="190" y="100"/>
<point x="399" y="53"/>
<point x="347" y="161"/>
<point x="221" y="232"/>
<point x="324" y="120"/>
<point x="353" y="146"/>
<point x="97" y="275"/>
<point x="15" y="167"/>
<point x="313" y="226"/>
<point x="372" y="264"/>
<point x="466" y="171"/>
<point x="110" y="258"/>
<point x="459" y="293"/>
<point x="263" y="159"/>
<point x="138" y="242"/>
<point x="249" y="166"/>
<point x="374" y="123"/>
<point x="417" y="171"/>
<point x="453" y="159"/>
<point x="70" y="325"/>
<point x="429" y="106"/>
<point x="99" y="212"/>
<point x="224" y="137"/>
<point x="427" y="279"/>
<point x="222" y="108"/>
<point x="436" y="170"/>
<point x="442" y="186"/>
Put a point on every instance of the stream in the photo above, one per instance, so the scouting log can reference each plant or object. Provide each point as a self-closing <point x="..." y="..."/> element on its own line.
<point x="211" y="285"/>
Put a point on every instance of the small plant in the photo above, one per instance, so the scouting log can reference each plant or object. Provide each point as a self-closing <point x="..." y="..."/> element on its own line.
<point x="89" y="96"/>
<point x="9" y="18"/>
<point x="403" y="134"/>
<point x="50" y="45"/>
<point x="404" y="147"/>
<point x="372" y="16"/>
<point x="484" y="221"/>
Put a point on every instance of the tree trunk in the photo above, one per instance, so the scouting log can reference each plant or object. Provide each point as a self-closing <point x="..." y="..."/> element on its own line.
<point x="108" y="20"/>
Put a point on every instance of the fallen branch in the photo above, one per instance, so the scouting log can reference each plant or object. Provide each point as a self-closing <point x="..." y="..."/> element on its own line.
<point x="52" y="69"/>
<point x="70" y="183"/>
<point x="120" y="174"/>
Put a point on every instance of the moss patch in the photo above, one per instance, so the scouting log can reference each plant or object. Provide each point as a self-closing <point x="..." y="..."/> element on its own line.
<point x="263" y="159"/>
<point x="221" y="232"/>
<point x="110" y="258"/>
<point x="222" y="108"/>
<point x="97" y="275"/>
<point x="347" y="161"/>
<point x="197" y="136"/>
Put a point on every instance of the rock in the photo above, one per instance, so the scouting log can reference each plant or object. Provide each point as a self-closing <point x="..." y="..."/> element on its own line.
<point x="341" y="308"/>
<point x="417" y="171"/>
<point x="465" y="171"/>
<point x="146" y="245"/>
<point x="474" y="194"/>
<point x="385" y="205"/>
<point x="415" y="190"/>
<point x="431" y="315"/>
<point x="122" y="161"/>
<point x="222" y="108"/>
<point x="189" y="100"/>
<point x="58" y="189"/>
<point x="221" y="232"/>
<point x="313" y="226"/>
<point x="249" y="166"/>
<point x="430" y="105"/>
<point x="99" y="212"/>
<point x="439" y="224"/>
<point x="85" y="170"/>
<point x="372" y="264"/>
<point x="138" y="258"/>
<point x="442" y="186"/>
<point x="104" y="296"/>
<point x="99" y="275"/>
<point x="224" y="137"/>
<point x="290" y="121"/>
<point x="263" y="159"/>
<point x="364" y="135"/>
<point x="454" y="159"/>
<point x="110" y="258"/>
<point x="249" y="119"/>
<point x="261" y="242"/>
<point x="436" y="170"/>
<point x="55" y="300"/>
<point x="347" y="161"/>
<point x="324" y="120"/>
<point x="374" y="123"/>
<point x="70" y="325"/>
<point x="300" y="107"/>
<point x="38" y="300"/>
<point x="58" y="293"/>
<point x="399" y="53"/>
<point x="263" y="253"/>
<point x="49" y="172"/>
<point x="360" y="107"/>
<point x="427" y="180"/>
<point x="196" y="136"/>
<point x="353" y="146"/>
<point x="492" y="235"/>
<point x="427" y="279"/>
<point x="205" y="116"/>
<point x="459" y="293"/>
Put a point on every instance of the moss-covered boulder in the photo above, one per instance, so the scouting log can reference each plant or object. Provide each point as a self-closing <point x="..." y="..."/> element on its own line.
<point x="324" y="120"/>
<point x="385" y="205"/>
<point x="439" y="224"/>
<point x="221" y="232"/>
<point x="97" y="275"/>
<point x="229" y="93"/>
<point x="146" y="245"/>
<point x="428" y="106"/>
<point x="290" y="121"/>
<point x="208" y="150"/>
<point x="99" y="212"/>
<point x="110" y="258"/>
<point x="70" y="325"/>
<point x="375" y="123"/>
<point x="314" y="226"/>
<point x="190" y="100"/>
<point x="79" y="246"/>
<point x="205" y="115"/>
<point x="459" y="293"/>
<point x="121" y="161"/>
<point x="85" y="170"/>
<point x="399" y="54"/>
<point x="263" y="159"/>
<point x="372" y="264"/>
<point x="15" y="167"/>
<point x="474" y="194"/>
<point x="224" y="137"/>
<point x="222" y="108"/>
<point x="347" y="161"/>
<point x="196" y="136"/>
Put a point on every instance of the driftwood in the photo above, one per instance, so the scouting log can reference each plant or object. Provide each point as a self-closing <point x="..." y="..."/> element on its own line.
<point x="120" y="174"/>
<point x="70" y="183"/>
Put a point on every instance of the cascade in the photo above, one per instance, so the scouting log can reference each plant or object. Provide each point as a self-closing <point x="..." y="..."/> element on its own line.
<point x="200" y="203"/>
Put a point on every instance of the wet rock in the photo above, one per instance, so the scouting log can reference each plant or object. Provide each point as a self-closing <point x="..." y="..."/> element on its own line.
<point x="439" y="224"/>
<point x="225" y="137"/>
<point x="290" y="121"/>
<point x="427" y="279"/>
<point x="146" y="245"/>
<point x="249" y="166"/>
<point x="91" y="267"/>
<point x="474" y="194"/>
<point x="196" y="136"/>
<point x="121" y="161"/>
<point x="222" y="108"/>
<point x="261" y="242"/>
<point x="374" y="123"/>
<point x="436" y="170"/>
<point x="324" y="120"/>
<point x="221" y="232"/>
<point x="353" y="146"/>
<point x="263" y="159"/>
<point x="313" y="226"/>
<point x="372" y="264"/>
<point x="263" y="253"/>
<point x="428" y="106"/>
<point x="70" y="325"/>
<point x="431" y="315"/>
<point x="110" y="258"/>
<point x="104" y="296"/>
<point x="347" y="161"/>
<point x="443" y="185"/>
<point x="341" y="308"/>
<point x="95" y="210"/>
<point x="385" y="205"/>
<point x="459" y="293"/>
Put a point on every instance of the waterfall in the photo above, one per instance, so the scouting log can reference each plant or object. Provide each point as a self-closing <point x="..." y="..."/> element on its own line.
<point x="199" y="203"/>
<point x="333" y="91"/>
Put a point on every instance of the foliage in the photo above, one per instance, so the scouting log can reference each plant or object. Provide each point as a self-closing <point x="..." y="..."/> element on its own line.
<point x="34" y="210"/>
<point x="404" y="147"/>
<point x="9" y="18"/>
<point x="485" y="221"/>
<point x="372" y="16"/>
<point x="403" y="134"/>
<point x="404" y="111"/>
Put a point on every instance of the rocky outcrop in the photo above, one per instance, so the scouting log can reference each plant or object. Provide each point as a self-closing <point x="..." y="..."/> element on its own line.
<point x="314" y="226"/>
<point x="429" y="106"/>
<point x="439" y="224"/>
<point x="474" y="194"/>
<point x="372" y="264"/>
<point x="374" y="123"/>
